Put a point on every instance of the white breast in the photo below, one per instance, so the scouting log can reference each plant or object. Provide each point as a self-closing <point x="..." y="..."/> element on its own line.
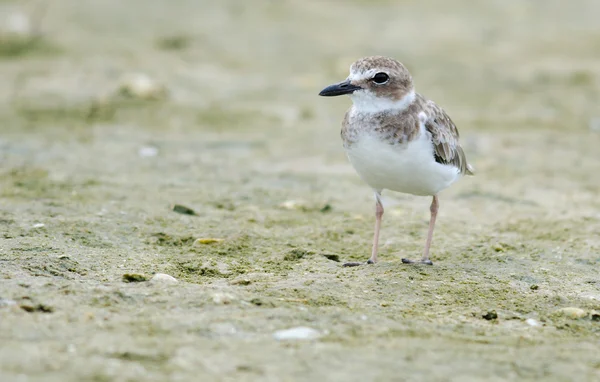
<point x="408" y="168"/>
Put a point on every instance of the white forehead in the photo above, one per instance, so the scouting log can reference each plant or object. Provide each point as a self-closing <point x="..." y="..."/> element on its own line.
<point x="359" y="75"/>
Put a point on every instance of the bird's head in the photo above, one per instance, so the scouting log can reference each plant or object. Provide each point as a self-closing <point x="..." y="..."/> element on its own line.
<point x="376" y="84"/>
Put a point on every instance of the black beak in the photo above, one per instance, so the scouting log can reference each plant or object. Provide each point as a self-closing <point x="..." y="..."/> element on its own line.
<point x="344" y="87"/>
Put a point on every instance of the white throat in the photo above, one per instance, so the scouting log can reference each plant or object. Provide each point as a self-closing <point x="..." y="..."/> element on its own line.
<point x="366" y="102"/>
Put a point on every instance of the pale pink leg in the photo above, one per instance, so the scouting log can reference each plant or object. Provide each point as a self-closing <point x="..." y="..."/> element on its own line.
<point x="378" y="216"/>
<point x="434" y="210"/>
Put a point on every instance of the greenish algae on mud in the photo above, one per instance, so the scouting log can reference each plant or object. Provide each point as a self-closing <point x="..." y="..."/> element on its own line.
<point x="243" y="141"/>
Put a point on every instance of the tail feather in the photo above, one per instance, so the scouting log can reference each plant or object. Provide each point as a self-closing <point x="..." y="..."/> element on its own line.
<point x="470" y="170"/>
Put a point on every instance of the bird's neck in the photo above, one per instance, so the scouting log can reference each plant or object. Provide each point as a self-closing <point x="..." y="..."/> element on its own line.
<point x="368" y="103"/>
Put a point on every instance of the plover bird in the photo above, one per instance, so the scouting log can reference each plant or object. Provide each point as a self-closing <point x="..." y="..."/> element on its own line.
<point x="397" y="139"/>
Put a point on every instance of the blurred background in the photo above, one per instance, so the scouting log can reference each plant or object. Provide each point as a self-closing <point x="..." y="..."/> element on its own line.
<point x="112" y="113"/>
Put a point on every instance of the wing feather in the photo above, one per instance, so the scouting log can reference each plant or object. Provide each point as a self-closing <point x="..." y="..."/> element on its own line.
<point x="445" y="136"/>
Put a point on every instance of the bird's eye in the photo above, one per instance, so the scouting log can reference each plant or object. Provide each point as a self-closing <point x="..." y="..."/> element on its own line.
<point x="381" y="78"/>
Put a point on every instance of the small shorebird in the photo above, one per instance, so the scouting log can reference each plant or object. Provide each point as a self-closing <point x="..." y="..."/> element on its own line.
<point x="397" y="139"/>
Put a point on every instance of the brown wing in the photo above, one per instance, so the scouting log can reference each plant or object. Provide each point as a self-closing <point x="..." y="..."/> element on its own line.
<point x="444" y="135"/>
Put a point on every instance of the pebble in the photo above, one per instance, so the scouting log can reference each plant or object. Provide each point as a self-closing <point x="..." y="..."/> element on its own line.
<point x="293" y="205"/>
<point x="181" y="209"/>
<point x="571" y="312"/>
<point x="223" y="298"/>
<point x="163" y="278"/>
<point x="207" y="240"/>
<point x="532" y="322"/>
<point x="17" y="25"/>
<point x="6" y="302"/>
<point x="148" y="151"/>
<point x="37" y="308"/>
<point x="142" y="86"/>
<point x="134" y="278"/>
<point x="241" y="281"/>
<point x="331" y="256"/>
<point x="302" y="205"/>
<point x="326" y="208"/>
<point x="298" y="333"/>
<point x="498" y="247"/>
<point x="491" y="315"/>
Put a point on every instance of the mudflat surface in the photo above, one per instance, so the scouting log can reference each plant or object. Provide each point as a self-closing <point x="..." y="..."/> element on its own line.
<point x="90" y="171"/>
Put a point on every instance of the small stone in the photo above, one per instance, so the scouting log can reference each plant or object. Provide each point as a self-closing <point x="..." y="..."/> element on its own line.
<point x="28" y="308"/>
<point x="571" y="312"/>
<point x="491" y="315"/>
<point x="142" y="86"/>
<point x="163" y="278"/>
<point x="331" y="256"/>
<point x="293" y="205"/>
<point x="534" y="287"/>
<point x="595" y="316"/>
<point x="298" y="333"/>
<point x="304" y="206"/>
<point x="207" y="240"/>
<point x="243" y="282"/>
<point x="326" y="208"/>
<point x="148" y="152"/>
<point x="256" y="301"/>
<point x="17" y="25"/>
<point x="181" y="209"/>
<point x="6" y="302"/>
<point x="37" y="308"/>
<point x="385" y="304"/>
<point x="223" y="298"/>
<point x="247" y="369"/>
<point x="532" y="322"/>
<point x="39" y="225"/>
<point x="134" y="278"/>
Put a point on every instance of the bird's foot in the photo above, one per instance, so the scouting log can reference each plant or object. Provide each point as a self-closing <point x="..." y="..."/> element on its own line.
<point x="422" y="261"/>
<point x="356" y="264"/>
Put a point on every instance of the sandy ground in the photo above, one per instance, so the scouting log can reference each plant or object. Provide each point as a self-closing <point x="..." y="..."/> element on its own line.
<point x="90" y="171"/>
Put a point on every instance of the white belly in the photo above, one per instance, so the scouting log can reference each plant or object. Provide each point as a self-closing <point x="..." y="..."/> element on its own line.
<point x="408" y="168"/>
